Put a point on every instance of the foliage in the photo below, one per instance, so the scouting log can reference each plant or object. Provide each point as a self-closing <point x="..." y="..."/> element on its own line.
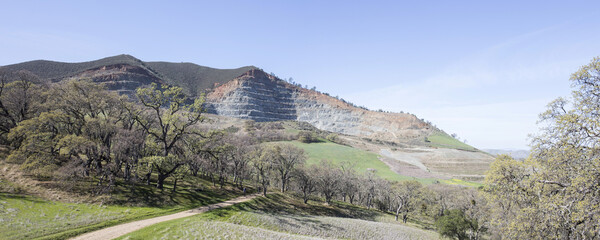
<point x="555" y="194"/>
<point x="454" y="224"/>
<point x="307" y="137"/>
<point x="167" y="119"/>
<point x="193" y="78"/>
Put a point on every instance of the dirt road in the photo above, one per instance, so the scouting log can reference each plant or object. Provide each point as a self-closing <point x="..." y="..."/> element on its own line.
<point x="122" y="229"/>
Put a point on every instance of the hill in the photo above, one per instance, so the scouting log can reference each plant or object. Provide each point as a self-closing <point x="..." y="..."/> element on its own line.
<point x="195" y="78"/>
<point x="280" y="216"/>
<point x="250" y="93"/>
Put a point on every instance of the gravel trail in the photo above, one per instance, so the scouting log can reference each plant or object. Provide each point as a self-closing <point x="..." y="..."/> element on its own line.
<point x="125" y="228"/>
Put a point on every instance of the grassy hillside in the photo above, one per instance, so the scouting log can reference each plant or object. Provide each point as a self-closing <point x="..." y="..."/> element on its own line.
<point x="195" y="78"/>
<point x="363" y="160"/>
<point x="281" y="216"/>
<point x="445" y="141"/>
<point x="58" y="70"/>
<point x="27" y="217"/>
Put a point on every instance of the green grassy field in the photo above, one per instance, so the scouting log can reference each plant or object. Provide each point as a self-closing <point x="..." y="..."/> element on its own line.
<point x="445" y="141"/>
<point x="363" y="160"/>
<point x="284" y="217"/>
<point x="26" y="217"/>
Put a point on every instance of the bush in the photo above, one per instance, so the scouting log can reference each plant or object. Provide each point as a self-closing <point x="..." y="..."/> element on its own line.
<point x="454" y="224"/>
<point x="307" y="137"/>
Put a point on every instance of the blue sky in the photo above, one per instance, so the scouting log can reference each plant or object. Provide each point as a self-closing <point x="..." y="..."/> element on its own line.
<point x="480" y="69"/>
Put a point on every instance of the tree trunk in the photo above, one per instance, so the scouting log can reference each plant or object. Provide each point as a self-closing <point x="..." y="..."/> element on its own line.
<point x="264" y="190"/>
<point x="161" y="180"/>
<point x="148" y="176"/>
<point x="174" y="185"/>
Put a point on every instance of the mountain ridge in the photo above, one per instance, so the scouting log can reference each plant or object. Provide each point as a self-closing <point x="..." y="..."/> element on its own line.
<point x="249" y="93"/>
<point x="245" y="92"/>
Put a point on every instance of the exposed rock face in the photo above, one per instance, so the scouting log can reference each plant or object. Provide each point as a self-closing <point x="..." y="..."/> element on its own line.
<point x="253" y="95"/>
<point x="262" y="97"/>
<point x="122" y="78"/>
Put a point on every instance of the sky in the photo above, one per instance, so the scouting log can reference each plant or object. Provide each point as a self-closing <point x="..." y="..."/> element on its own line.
<point x="481" y="69"/>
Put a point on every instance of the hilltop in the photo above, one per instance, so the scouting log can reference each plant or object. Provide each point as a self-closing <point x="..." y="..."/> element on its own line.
<point x="407" y="144"/>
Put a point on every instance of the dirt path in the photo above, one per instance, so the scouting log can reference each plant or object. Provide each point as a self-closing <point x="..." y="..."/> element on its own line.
<point x="122" y="229"/>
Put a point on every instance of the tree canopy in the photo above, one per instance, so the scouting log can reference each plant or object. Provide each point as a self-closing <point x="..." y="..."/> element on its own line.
<point x="555" y="193"/>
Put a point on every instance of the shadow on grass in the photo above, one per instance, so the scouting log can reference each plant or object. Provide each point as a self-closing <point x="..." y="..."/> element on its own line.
<point x="281" y="204"/>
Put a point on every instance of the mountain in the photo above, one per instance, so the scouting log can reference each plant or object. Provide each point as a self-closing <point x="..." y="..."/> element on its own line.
<point x="195" y="79"/>
<point x="516" y="154"/>
<point x="404" y="142"/>
<point x="262" y="97"/>
<point x="125" y="73"/>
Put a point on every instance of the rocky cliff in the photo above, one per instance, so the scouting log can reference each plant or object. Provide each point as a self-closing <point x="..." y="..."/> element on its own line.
<point x="261" y="97"/>
<point x="247" y="93"/>
<point x="123" y="78"/>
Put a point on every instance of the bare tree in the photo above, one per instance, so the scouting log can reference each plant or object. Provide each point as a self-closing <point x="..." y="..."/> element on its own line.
<point x="289" y="158"/>
<point x="405" y="194"/>
<point x="305" y="181"/>
<point x="328" y="180"/>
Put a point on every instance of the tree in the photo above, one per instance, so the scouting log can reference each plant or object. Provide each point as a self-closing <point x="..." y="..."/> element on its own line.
<point x="262" y="166"/>
<point x="241" y="158"/>
<point x="453" y="224"/>
<point x="307" y="137"/>
<point x="79" y="126"/>
<point x="306" y="183"/>
<point x="179" y="174"/>
<point x="555" y="193"/>
<point x="289" y="158"/>
<point x="167" y="119"/>
<point x="328" y="180"/>
<point x="349" y="181"/>
<point x="405" y="195"/>
<point x="20" y="98"/>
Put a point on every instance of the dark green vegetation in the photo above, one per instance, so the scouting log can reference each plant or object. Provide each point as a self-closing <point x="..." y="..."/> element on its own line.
<point x="56" y="71"/>
<point x="454" y="224"/>
<point x="193" y="78"/>
<point x="282" y="216"/>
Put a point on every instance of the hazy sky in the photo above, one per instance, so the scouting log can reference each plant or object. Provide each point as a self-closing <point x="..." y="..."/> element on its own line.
<point x="479" y="69"/>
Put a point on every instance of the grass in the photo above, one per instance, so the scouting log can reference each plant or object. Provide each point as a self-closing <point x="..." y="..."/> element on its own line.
<point x="363" y="160"/>
<point x="26" y="217"/>
<point x="455" y="181"/>
<point x="445" y="141"/>
<point x="281" y="216"/>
